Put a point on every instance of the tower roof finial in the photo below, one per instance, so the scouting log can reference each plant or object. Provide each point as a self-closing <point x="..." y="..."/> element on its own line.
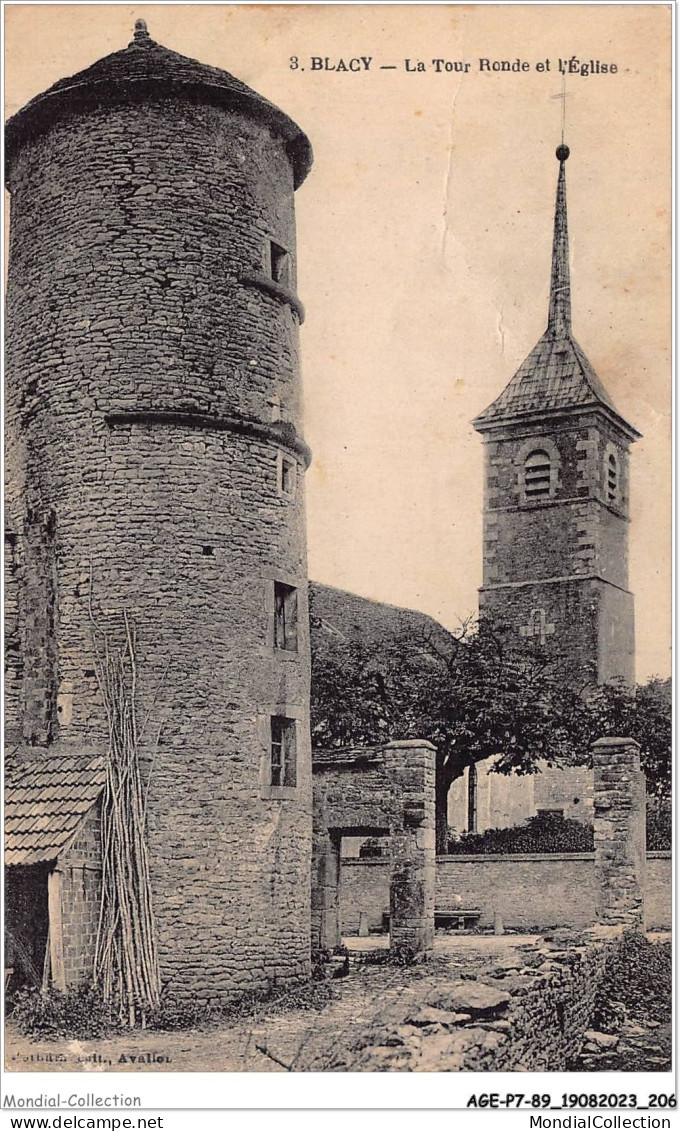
<point x="559" y="313"/>
<point x="141" y="32"/>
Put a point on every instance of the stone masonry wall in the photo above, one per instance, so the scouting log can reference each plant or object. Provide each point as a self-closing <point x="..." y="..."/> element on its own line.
<point x="659" y="891"/>
<point x="549" y="1013"/>
<point x="374" y="791"/>
<point x="570" y="607"/>
<point x="38" y="602"/>
<point x="528" y="891"/>
<point x="528" y="1010"/>
<point x="566" y="554"/>
<point x="14" y="656"/>
<point x="620" y="860"/>
<point x="152" y="398"/>
<point x="80" y="870"/>
<point x="569" y="789"/>
<point x="591" y="536"/>
<point x="505" y="800"/>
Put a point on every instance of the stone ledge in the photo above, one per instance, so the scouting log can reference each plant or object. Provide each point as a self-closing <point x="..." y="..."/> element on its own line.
<point x="509" y="858"/>
<point x="283" y="435"/>
<point x="279" y="792"/>
<point x="276" y="290"/>
<point x="514" y="858"/>
<point x="614" y="741"/>
<point x="372" y="861"/>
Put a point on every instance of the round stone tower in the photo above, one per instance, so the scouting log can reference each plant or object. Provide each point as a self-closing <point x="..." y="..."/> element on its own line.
<point x="156" y="467"/>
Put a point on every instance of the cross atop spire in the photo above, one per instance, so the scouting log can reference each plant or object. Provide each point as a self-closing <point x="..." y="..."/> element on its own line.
<point x="559" y="314"/>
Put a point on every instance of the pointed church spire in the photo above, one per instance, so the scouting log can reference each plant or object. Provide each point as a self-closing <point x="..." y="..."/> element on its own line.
<point x="559" y="315"/>
<point x="556" y="377"/>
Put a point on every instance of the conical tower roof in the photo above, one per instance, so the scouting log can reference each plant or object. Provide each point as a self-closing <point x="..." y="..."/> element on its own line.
<point x="556" y="376"/>
<point x="146" y="70"/>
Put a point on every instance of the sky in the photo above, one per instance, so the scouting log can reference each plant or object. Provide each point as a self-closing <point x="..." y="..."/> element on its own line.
<point x="424" y="238"/>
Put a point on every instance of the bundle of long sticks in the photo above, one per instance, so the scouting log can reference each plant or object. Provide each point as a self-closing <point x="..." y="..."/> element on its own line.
<point x="126" y="958"/>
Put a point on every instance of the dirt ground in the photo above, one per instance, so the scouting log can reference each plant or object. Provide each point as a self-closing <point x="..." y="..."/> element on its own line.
<point x="279" y="1040"/>
<point x="272" y="1042"/>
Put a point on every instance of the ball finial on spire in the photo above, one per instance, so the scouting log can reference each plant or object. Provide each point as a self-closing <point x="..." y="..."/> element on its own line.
<point x="141" y="31"/>
<point x="562" y="152"/>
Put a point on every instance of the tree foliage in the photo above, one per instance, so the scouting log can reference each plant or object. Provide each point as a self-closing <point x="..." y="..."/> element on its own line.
<point x="642" y="713"/>
<point x="544" y="832"/>
<point x="476" y="696"/>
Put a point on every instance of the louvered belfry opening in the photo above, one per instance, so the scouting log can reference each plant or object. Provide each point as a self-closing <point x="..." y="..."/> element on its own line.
<point x="612" y="478"/>
<point x="537" y="475"/>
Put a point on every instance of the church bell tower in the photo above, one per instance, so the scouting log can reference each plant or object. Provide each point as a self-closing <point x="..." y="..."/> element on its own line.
<point x="556" y="501"/>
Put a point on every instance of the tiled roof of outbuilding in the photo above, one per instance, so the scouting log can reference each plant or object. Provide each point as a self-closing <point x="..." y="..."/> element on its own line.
<point x="46" y="798"/>
<point x="146" y="69"/>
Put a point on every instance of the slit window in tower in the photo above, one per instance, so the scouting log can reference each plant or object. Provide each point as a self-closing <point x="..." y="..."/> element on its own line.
<point x="612" y="478"/>
<point x="285" y="617"/>
<point x="282" y="755"/>
<point x="287" y="476"/>
<point x="279" y="264"/>
<point x="537" y="475"/>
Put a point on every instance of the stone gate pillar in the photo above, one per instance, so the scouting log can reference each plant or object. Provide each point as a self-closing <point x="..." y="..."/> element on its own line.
<point x="620" y="832"/>
<point x="325" y="890"/>
<point x="412" y="845"/>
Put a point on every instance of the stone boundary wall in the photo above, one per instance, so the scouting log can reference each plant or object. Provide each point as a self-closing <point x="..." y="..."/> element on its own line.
<point x="527" y="890"/>
<point x="547" y="1018"/>
<point x="530" y="1013"/>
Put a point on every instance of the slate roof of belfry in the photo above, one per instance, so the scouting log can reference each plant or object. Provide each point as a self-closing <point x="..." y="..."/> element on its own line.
<point x="555" y="375"/>
<point x="45" y="801"/>
<point x="145" y="69"/>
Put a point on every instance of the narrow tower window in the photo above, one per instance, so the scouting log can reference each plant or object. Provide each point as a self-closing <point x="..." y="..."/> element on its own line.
<point x="537" y="475"/>
<point x="282" y="755"/>
<point x="279" y="264"/>
<point x="612" y="472"/>
<point x="287" y="476"/>
<point x="285" y="617"/>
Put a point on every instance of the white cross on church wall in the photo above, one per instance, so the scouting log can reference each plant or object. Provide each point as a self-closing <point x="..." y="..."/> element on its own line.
<point x="537" y="626"/>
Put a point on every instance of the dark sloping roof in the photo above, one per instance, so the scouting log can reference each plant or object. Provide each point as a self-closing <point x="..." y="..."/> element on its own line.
<point x="556" y="375"/>
<point x="348" y="758"/>
<point x="145" y="69"/>
<point x="336" y="614"/>
<point x="46" y="798"/>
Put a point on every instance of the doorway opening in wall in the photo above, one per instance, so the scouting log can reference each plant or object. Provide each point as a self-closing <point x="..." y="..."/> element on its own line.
<point x="364" y="883"/>
<point x="26" y="926"/>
